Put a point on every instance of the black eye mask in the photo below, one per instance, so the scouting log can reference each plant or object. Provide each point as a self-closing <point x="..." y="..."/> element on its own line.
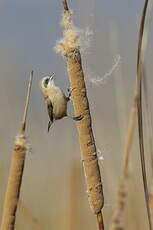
<point x="46" y="82"/>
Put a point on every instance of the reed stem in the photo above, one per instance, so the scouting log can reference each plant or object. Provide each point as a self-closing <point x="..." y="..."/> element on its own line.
<point x="16" y="172"/>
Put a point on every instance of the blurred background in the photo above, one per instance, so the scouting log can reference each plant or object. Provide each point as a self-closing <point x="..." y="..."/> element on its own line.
<point x="53" y="193"/>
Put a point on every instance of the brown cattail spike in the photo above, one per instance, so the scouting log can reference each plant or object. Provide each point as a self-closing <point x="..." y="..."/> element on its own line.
<point x="87" y="142"/>
<point x="69" y="47"/>
<point x="15" y="174"/>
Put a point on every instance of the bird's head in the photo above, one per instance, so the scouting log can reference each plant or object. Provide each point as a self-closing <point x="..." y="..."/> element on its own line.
<point x="47" y="82"/>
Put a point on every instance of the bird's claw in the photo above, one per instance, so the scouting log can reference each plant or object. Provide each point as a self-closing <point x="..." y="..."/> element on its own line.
<point x="78" y="118"/>
<point x="70" y="92"/>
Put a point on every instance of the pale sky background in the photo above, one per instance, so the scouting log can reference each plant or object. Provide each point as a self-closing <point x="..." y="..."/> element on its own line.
<point x="28" y="32"/>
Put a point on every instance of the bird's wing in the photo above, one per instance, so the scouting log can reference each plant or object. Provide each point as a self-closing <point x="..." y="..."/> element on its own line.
<point x="50" y="112"/>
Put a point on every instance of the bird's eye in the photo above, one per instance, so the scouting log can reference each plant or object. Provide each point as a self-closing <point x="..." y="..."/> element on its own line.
<point x="46" y="82"/>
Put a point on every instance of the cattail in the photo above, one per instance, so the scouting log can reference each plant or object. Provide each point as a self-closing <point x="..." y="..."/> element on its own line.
<point x="69" y="47"/>
<point x="16" y="172"/>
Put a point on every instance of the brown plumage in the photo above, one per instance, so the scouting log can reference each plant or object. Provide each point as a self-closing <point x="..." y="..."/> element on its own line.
<point x="55" y="100"/>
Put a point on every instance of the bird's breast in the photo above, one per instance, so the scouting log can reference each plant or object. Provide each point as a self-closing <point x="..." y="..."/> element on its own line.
<point x="59" y="103"/>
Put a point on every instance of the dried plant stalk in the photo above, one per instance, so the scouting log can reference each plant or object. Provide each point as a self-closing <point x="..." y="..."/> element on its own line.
<point x="151" y="203"/>
<point x="16" y="172"/>
<point x="87" y="142"/>
<point x="150" y="137"/>
<point x="137" y="107"/>
<point x="116" y="223"/>
<point x="69" y="47"/>
<point x="140" y="67"/>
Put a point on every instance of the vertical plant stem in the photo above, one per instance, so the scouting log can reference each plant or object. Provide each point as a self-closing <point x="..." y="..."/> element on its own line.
<point x="23" y="124"/>
<point x="140" y="66"/>
<point x="100" y="221"/>
<point x="137" y="107"/>
<point x="121" y="200"/>
<point x="16" y="173"/>
<point x="65" y="5"/>
<point x="87" y="142"/>
<point x="84" y="126"/>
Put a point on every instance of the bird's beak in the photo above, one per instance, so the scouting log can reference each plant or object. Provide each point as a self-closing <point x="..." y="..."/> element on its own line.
<point x="51" y="77"/>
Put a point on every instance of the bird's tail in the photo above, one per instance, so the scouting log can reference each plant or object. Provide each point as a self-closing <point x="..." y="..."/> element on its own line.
<point x="49" y="125"/>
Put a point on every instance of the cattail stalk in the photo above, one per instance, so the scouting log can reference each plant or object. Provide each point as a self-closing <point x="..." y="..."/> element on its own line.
<point x="150" y="138"/>
<point x="87" y="142"/>
<point x="140" y="67"/>
<point x="136" y="109"/>
<point x="69" y="47"/>
<point x="121" y="200"/>
<point x="16" y="172"/>
<point x="151" y="202"/>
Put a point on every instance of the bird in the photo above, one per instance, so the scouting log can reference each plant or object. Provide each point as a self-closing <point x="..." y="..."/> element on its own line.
<point x="55" y="100"/>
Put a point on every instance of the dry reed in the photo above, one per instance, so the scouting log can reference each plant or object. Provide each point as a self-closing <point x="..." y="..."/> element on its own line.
<point x="151" y="190"/>
<point x="150" y="137"/>
<point x="122" y="188"/>
<point x="151" y="203"/>
<point x="69" y="47"/>
<point x="136" y="109"/>
<point x="140" y="67"/>
<point x="16" y="171"/>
